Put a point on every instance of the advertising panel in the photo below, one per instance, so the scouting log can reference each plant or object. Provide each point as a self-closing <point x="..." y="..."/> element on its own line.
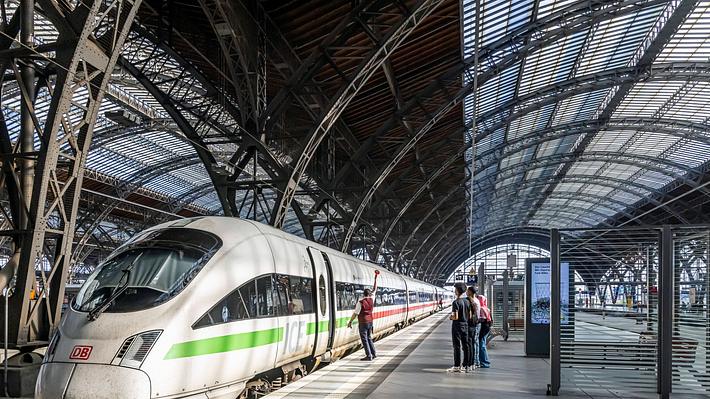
<point x="540" y="293"/>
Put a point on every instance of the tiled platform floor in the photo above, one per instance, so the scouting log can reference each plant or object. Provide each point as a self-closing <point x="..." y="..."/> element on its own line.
<point x="412" y="364"/>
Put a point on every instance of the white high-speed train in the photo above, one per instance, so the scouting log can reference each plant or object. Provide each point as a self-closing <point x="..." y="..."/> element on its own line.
<point x="217" y="307"/>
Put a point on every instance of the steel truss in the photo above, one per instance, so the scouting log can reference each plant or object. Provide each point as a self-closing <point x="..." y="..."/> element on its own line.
<point x="495" y="58"/>
<point x="510" y="235"/>
<point x="644" y="63"/>
<point x="392" y="34"/>
<point x="75" y="70"/>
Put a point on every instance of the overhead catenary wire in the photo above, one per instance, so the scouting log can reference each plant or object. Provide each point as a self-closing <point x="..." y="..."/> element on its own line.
<point x="472" y="131"/>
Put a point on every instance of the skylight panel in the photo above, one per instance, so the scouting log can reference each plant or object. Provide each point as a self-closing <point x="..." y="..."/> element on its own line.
<point x="548" y="7"/>
<point x="610" y="141"/>
<point x="529" y="122"/>
<point x="645" y="99"/>
<point x="620" y="171"/>
<point x="691" y="43"/>
<point x="650" y="144"/>
<point x="654" y="179"/>
<point x="690" y="153"/>
<point x="551" y="64"/>
<point x="613" y="42"/>
<point x="579" y="107"/>
<point x="568" y="187"/>
<point x="628" y="198"/>
<point x="585" y="168"/>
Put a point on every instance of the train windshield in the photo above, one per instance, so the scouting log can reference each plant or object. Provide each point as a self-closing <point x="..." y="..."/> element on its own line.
<point x="147" y="272"/>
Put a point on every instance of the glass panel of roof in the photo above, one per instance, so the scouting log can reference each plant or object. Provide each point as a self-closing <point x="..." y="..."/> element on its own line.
<point x="691" y="43"/>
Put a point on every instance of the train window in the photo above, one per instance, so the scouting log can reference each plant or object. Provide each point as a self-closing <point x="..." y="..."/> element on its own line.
<point x="229" y="309"/>
<point x="412" y="297"/>
<point x="345" y="294"/>
<point x="341" y="295"/>
<point x="150" y="270"/>
<point x="386" y="296"/>
<point x="322" y="294"/>
<point x="248" y="292"/>
<point x="425" y="297"/>
<point x="265" y="296"/>
<point x="281" y="295"/>
<point x="300" y="295"/>
<point x="359" y="292"/>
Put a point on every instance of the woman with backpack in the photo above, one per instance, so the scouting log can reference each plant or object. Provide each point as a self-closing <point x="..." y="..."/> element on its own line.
<point x="474" y="328"/>
<point x="486" y="321"/>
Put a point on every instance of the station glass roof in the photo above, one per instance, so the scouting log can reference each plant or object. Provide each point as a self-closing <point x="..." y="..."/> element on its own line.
<point x="591" y="125"/>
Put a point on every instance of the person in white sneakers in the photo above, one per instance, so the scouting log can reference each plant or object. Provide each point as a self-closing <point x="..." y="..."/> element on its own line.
<point x="460" y="311"/>
<point x="474" y="328"/>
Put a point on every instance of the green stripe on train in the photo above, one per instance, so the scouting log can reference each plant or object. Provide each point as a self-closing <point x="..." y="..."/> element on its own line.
<point x="343" y="322"/>
<point x="225" y="343"/>
<point x="323" y="325"/>
<point x="311" y="327"/>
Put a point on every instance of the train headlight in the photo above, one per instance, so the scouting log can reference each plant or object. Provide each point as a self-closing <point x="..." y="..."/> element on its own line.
<point x="135" y="349"/>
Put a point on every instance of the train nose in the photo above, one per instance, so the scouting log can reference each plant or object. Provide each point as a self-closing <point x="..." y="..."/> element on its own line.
<point x="72" y="380"/>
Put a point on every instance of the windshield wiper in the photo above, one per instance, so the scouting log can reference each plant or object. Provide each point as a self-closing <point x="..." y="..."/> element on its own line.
<point x="117" y="291"/>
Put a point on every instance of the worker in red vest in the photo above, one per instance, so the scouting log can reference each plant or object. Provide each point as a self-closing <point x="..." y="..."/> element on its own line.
<point x="363" y="311"/>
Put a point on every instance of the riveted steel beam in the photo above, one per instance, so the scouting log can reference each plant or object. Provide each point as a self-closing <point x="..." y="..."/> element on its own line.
<point x="230" y="29"/>
<point x="442" y="201"/>
<point x="676" y="128"/>
<point x="393" y="35"/>
<point x="492" y="64"/>
<point x="644" y="62"/>
<point x="500" y="55"/>
<point x="457" y="252"/>
<point x="97" y="31"/>
<point x="412" y="199"/>
<point x="565" y="213"/>
<point x="125" y="188"/>
<point x="639" y="191"/>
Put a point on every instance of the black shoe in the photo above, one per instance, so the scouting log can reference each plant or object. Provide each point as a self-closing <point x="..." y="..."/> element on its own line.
<point x="366" y="358"/>
<point x="374" y="356"/>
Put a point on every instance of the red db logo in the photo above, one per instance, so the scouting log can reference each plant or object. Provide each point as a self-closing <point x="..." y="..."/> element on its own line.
<point x="81" y="352"/>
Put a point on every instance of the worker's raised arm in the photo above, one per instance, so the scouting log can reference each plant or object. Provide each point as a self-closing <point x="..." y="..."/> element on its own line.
<point x="374" y="287"/>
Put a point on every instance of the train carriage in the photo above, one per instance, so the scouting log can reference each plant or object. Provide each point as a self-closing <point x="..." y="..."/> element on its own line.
<point x="216" y="307"/>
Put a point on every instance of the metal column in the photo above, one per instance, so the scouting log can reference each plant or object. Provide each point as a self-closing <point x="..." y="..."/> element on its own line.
<point x="555" y="297"/>
<point x="90" y="39"/>
<point x="27" y="127"/>
<point x="506" y="326"/>
<point x="665" y="314"/>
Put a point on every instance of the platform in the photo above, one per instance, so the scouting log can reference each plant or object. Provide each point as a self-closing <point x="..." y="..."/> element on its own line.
<point x="412" y="364"/>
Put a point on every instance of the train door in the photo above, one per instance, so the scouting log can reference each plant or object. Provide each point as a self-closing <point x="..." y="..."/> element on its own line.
<point x="330" y="281"/>
<point x="406" y="294"/>
<point x="324" y="322"/>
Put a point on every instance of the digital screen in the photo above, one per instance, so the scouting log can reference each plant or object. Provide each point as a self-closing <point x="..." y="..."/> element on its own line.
<point x="540" y="293"/>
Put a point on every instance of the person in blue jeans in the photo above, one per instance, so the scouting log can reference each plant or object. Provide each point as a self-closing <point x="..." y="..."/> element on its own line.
<point x="364" y="312"/>
<point x="485" y="322"/>
<point x="474" y="329"/>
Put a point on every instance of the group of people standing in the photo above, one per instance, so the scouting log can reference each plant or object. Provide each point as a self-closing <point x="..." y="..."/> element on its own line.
<point x="470" y="324"/>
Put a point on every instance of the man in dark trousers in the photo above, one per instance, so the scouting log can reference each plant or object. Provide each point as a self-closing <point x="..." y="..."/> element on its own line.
<point x="460" y="311"/>
<point x="363" y="312"/>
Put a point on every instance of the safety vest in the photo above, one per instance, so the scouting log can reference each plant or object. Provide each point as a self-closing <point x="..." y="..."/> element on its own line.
<point x="365" y="315"/>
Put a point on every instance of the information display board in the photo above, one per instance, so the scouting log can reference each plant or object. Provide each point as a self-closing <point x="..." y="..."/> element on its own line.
<point x="540" y="292"/>
<point x="537" y="304"/>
